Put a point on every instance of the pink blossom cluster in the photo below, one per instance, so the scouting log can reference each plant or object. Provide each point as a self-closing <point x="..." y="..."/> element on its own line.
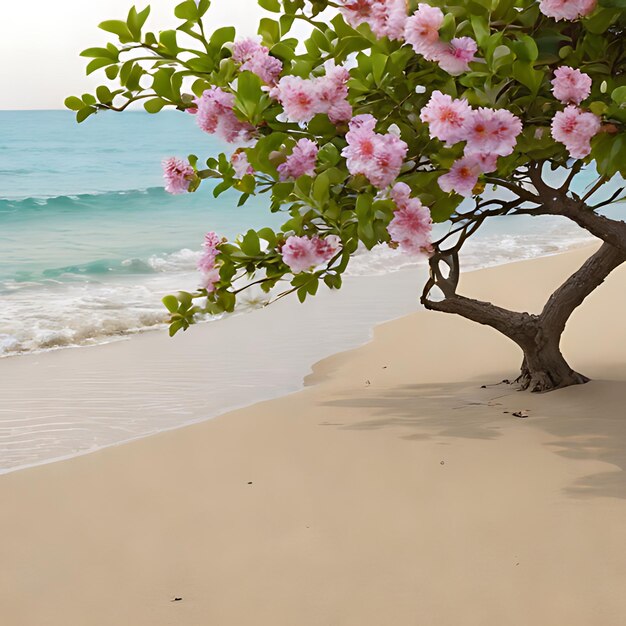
<point x="567" y="9"/>
<point x="240" y="163"/>
<point x="206" y="263"/>
<point x="463" y="175"/>
<point x="411" y="226"/>
<point x="488" y="133"/>
<point x="305" y="253"/>
<point x="386" y="18"/>
<point x="570" y="86"/>
<point x="256" y="58"/>
<point x="575" y="128"/>
<point x="303" y="98"/>
<point x="178" y="175"/>
<point x="378" y="157"/>
<point x="422" y="32"/>
<point x="215" y="115"/>
<point x="301" y="161"/>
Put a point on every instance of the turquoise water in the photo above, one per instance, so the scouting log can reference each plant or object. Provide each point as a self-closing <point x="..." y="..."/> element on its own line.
<point x="83" y="199"/>
<point x="90" y="242"/>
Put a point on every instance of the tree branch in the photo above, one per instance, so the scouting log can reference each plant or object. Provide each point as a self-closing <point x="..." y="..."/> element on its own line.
<point x="581" y="284"/>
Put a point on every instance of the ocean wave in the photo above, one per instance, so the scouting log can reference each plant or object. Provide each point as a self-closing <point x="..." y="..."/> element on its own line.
<point x="73" y="307"/>
<point x="94" y="199"/>
<point x="101" y="270"/>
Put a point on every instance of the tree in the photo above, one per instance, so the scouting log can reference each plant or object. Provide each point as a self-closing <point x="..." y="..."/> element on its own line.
<point x="388" y="117"/>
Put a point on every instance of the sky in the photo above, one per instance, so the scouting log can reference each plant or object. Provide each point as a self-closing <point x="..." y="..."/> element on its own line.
<point x="40" y="42"/>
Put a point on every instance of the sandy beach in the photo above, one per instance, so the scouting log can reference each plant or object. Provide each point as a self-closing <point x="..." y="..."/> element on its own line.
<point x="398" y="488"/>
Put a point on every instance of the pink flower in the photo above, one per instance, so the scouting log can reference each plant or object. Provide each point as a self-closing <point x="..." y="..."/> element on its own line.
<point x="301" y="161"/>
<point x="178" y="175"/>
<point x="446" y="117"/>
<point x="256" y="58"/>
<point x="303" y="98"/>
<point x="575" y="128"/>
<point x="462" y="177"/>
<point x="422" y="32"/>
<point x="332" y="93"/>
<point x="206" y="263"/>
<point x="244" y="49"/>
<point x="455" y="57"/>
<point x="570" y="85"/>
<point x="356" y="12"/>
<point x="389" y="155"/>
<point x="566" y="9"/>
<point x="340" y="112"/>
<point x="411" y="226"/>
<point x="304" y="253"/>
<point x="210" y="251"/>
<point x="386" y="18"/>
<point x="422" y="29"/>
<point x="215" y="115"/>
<point x="378" y="157"/>
<point x="298" y="96"/>
<point x="239" y="161"/>
<point x="209" y="279"/>
<point x="492" y="130"/>
<point x="486" y="162"/>
<point x="361" y="143"/>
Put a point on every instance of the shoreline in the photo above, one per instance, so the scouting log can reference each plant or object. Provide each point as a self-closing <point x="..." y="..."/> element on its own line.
<point x="72" y="382"/>
<point x="305" y="368"/>
<point x="79" y="314"/>
<point x="390" y="483"/>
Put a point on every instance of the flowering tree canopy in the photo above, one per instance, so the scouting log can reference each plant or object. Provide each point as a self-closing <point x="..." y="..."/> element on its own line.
<point x="384" y="120"/>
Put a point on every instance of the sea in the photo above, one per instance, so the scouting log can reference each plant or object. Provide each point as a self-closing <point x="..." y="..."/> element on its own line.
<point x="89" y="245"/>
<point x="90" y="242"/>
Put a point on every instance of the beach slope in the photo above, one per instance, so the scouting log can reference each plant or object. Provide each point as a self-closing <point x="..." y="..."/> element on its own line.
<point x="399" y="487"/>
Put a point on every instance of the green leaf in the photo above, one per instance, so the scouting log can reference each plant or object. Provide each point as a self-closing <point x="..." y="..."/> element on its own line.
<point x="187" y="10"/>
<point x="619" y="95"/>
<point x="379" y="64"/>
<point x="154" y="105"/>
<point x="171" y="303"/>
<point x="73" y="103"/>
<point x="117" y="27"/>
<point x="447" y="29"/>
<point x="527" y="76"/>
<point x="526" y="49"/>
<point x="103" y="94"/>
<point x="221" y="36"/>
<point x="167" y="39"/>
<point x="321" y="189"/>
<point x="270" y="31"/>
<point x="270" y="5"/>
<point x="481" y="29"/>
<point x="250" y="98"/>
<point x="250" y="244"/>
<point x="96" y="64"/>
<point x="600" y="20"/>
<point x="100" y="53"/>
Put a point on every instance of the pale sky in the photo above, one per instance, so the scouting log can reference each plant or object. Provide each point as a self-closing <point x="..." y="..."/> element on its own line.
<point x="40" y="41"/>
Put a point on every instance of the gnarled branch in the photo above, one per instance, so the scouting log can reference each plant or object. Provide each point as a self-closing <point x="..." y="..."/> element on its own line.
<point x="572" y="293"/>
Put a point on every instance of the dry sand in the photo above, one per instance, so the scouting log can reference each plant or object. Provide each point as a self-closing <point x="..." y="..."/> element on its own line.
<point x="393" y="490"/>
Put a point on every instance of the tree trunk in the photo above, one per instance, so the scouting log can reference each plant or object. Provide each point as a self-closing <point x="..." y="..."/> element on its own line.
<point x="544" y="368"/>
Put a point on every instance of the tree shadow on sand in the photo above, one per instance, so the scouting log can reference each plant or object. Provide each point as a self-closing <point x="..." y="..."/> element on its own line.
<point x="420" y="407"/>
<point x="584" y="422"/>
<point x="589" y="423"/>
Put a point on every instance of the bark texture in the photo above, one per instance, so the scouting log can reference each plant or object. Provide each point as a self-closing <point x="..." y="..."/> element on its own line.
<point x="544" y="368"/>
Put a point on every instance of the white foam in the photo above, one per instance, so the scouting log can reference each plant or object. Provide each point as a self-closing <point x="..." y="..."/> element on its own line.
<point x="80" y="310"/>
